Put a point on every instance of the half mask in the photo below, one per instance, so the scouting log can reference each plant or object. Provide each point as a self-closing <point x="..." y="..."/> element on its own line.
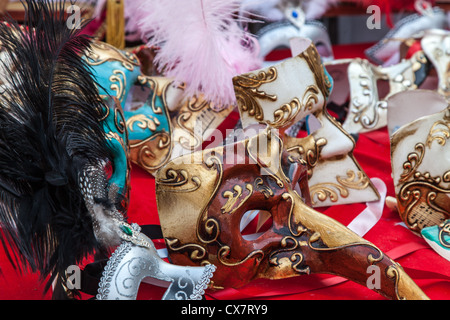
<point x="296" y="91"/>
<point x="203" y="197"/>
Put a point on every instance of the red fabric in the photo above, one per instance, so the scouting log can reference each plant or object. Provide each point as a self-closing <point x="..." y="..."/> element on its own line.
<point x="430" y="271"/>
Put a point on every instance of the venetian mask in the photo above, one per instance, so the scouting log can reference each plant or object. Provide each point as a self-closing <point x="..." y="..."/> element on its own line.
<point x="135" y="258"/>
<point x="162" y="123"/>
<point x="420" y="159"/>
<point x="366" y="87"/>
<point x="295" y="91"/>
<point x="203" y="197"/>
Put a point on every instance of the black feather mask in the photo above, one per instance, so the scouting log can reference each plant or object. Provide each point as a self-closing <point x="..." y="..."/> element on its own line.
<point x="49" y="134"/>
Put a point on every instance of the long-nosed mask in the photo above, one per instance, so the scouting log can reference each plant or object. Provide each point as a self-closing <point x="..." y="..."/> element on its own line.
<point x="296" y="91"/>
<point x="203" y="197"/>
<point x="162" y="122"/>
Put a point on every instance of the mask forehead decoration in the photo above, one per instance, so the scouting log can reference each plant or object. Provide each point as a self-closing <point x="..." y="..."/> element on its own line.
<point x="162" y="123"/>
<point x="281" y="98"/>
<point x="202" y="198"/>
<point x="420" y="155"/>
<point x="367" y="87"/>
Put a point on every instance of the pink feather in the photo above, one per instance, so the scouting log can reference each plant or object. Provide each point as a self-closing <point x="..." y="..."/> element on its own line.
<point x="200" y="44"/>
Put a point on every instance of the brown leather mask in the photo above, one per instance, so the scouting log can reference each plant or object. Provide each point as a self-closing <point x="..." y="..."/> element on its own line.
<point x="202" y="198"/>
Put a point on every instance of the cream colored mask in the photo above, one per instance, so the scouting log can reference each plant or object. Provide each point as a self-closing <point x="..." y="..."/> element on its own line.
<point x="203" y="198"/>
<point x="420" y="156"/>
<point x="366" y="87"/>
<point x="296" y="90"/>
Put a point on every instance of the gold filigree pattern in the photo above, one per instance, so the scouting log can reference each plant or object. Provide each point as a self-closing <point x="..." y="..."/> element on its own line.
<point x="288" y="244"/>
<point x="102" y="52"/>
<point x="261" y="187"/>
<point x="224" y="252"/>
<point x="152" y="153"/>
<point x="195" y="118"/>
<point x="393" y="273"/>
<point x="354" y="180"/>
<point x="299" y="229"/>
<point x="414" y="161"/>
<point x="422" y="197"/>
<point x="247" y="91"/>
<point x="189" y="140"/>
<point x="308" y="149"/>
<point x="440" y="131"/>
<point x="209" y="225"/>
<point x="312" y="57"/>
<point x="418" y="198"/>
<point x="197" y="252"/>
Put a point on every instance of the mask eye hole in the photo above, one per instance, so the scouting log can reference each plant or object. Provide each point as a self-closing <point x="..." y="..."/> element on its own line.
<point x="255" y="223"/>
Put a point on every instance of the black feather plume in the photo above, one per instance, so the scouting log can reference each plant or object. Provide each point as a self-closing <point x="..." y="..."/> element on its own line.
<point x="49" y="132"/>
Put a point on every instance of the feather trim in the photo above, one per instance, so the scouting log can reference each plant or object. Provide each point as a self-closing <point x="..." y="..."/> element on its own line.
<point x="49" y="132"/>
